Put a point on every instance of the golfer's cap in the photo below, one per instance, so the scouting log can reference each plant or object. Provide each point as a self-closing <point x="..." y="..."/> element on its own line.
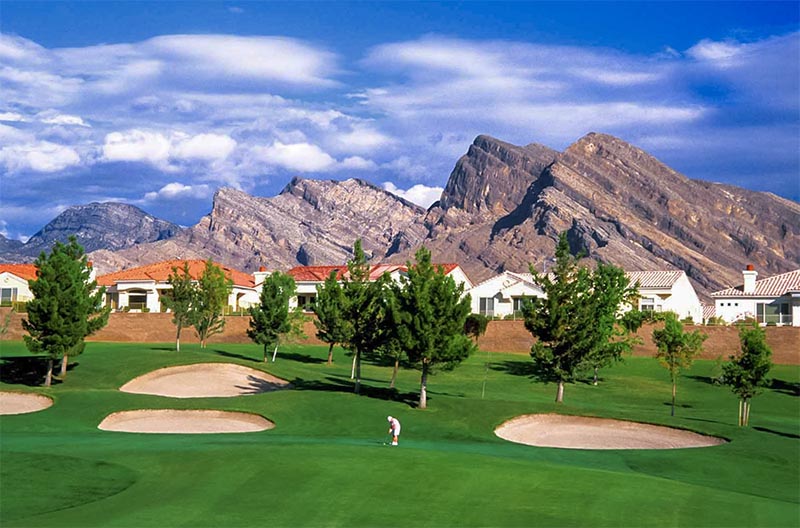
<point x="389" y="418"/>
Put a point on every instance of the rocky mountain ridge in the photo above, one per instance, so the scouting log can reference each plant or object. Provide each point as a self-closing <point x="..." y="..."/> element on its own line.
<point x="503" y="208"/>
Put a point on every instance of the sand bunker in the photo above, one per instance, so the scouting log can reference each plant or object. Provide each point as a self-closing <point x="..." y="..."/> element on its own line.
<point x="202" y="380"/>
<point x="21" y="403"/>
<point x="184" y="422"/>
<point x="578" y="432"/>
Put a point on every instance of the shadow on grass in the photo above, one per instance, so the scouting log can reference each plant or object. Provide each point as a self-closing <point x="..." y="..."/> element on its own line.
<point x="27" y="370"/>
<point x="167" y="349"/>
<point x="237" y="356"/>
<point x="679" y="405"/>
<point x="785" y="387"/>
<point x="779" y="433"/>
<point x="302" y="358"/>
<point x="706" y="379"/>
<point x="527" y="369"/>
<point x="332" y="384"/>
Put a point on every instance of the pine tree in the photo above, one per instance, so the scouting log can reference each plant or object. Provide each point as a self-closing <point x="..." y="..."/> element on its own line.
<point x="676" y="348"/>
<point x="746" y="374"/>
<point x="272" y="319"/>
<point x="431" y="312"/>
<point x="577" y="323"/>
<point x="181" y="300"/>
<point x="66" y="306"/>
<point x="213" y="289"/>
<point x="365" y="309"/>
<point x="329" y="307"/>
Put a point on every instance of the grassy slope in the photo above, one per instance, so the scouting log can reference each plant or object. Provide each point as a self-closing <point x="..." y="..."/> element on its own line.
<point x="324" y="463"/>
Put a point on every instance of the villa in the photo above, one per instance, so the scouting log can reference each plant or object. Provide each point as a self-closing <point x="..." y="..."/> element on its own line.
<point x="140" y="289"/>
<point x="775" y="300"/>
<point x="667" y="291"/>
<point x="14" y="283"/>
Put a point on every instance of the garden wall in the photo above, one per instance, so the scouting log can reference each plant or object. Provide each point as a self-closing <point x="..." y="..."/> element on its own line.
<point x="501" y="336"/>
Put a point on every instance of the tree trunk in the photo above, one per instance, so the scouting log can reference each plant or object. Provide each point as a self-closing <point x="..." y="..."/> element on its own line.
<point x="353" y="368"/>
<point x="64" y="363"/>
<point x="275" y="352"/>
<point x="330" y="354"/>
<point x="740" y="412"/>
<point x="746" y="413"/>
<point x="265" y="353"/>
<point x="394" y="372"/>
<point x="178" y="340"/>
<point x="423" y="387"/>
<point x="357" y="360"/>
<point x="49" y="377"/>
<point x="560" y="392"/>
<point x="673" y="397"/>
<point x="594" y="382"/>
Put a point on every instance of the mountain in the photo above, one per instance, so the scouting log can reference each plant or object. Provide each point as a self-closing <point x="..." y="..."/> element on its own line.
<point x="309" y="222"/>
<point x="619" y="205"/>
<point x="111" y="226"/>
<point x="502" y="209"/>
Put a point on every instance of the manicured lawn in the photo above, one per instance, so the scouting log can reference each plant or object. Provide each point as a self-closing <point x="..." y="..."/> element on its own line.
<point x="325" y="463"/>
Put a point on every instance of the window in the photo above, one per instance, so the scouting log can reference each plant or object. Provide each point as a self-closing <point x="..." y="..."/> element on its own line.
<point x="777" y="313"/>
<point x="137" y="299"/>
<point x="487" y="306"/>
<point x="7" y="296"/>
<point x="518" y="302"/>
<point x="306" y="302"/>
<point x="647" y="305"/>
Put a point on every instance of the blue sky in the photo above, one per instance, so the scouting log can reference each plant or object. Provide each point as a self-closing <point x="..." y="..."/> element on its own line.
<point x="159" y="104"/>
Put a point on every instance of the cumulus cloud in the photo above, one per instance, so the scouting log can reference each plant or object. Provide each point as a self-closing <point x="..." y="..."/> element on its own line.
<point x="177" y="190"/>
<point x="12" y="117"/>
<point x="52" y="117"/>
<point x="158" y="148"/>
<point x="204" y="147"/>
<point x="40" y="156"/>
<point x="301" y="157"/>
<point x="419" y="194"/>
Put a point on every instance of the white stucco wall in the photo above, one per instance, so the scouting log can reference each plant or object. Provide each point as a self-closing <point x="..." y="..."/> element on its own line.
<point x="503" y="289"/>
<point x="9" y="280"/>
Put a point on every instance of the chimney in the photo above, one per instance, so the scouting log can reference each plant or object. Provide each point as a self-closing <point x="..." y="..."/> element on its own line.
<point x="750" y="275"/>
<point x="260" y="275"/>
<point x="92" y="272"/>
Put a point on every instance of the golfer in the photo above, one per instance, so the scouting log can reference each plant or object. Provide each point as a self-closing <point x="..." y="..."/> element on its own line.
<point x="394" y="429"/>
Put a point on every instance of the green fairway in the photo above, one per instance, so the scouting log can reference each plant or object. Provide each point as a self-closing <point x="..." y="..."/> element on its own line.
<point x="325" y="462"/>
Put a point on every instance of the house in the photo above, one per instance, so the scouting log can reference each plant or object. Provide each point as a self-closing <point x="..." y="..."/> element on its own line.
<point x="307" y="278"/>
<point x="503" y="294"/>
<point x="140" y="289"/>
<point x="14" y="283"/>
<point x="775" y="300"/>
<point x="667" y="291"/>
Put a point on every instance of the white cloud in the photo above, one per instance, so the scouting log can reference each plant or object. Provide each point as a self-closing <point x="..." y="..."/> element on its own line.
<point x="176" y="190"/>
<point x="302" y="157"/>
<point x="204" y="147"/>
<point x="419" y="194"/>
<point x="12" y="117"/>
<point x="54" y="118"/>
<point x="40" y="156"/>
<point x="710" y="50"/>
<point x="136" y="145"/>
<point x="357" y="163"/>
<point x="360" y="139"/>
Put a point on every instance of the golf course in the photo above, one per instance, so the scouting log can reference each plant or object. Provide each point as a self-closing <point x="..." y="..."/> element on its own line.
<point x="324" y="459"/>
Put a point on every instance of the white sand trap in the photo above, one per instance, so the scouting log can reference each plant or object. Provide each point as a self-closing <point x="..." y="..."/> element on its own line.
<point x="21" y="402"/>
<point x="203" y="380"/>
<point x="579" y="432"/>
<point x="184" y="422"/>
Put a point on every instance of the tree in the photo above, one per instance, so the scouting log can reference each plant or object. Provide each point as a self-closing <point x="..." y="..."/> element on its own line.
<point x="365" y="309"/>
<point x="431" y="312"/>
<point x="475" y="325"/>
<point x="676" y="348"/>
<point x="181" y="300"/>
<point x="577" y="325"/>
<point x="612" y="333"/>
<point x="329" y="307"/>
<point x="272" y="319"/>
<point x="213" y="289"/>
<point x="67" y="305"/>
<point x="747" y="373"/>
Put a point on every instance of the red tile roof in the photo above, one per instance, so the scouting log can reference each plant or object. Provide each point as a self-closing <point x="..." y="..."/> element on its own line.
<point x="771" y="287"/>
<point x="23" y="271"/>
<point x="160" y="272"/>
<point x="320" y="273"/>
<point x="655" y="279"/>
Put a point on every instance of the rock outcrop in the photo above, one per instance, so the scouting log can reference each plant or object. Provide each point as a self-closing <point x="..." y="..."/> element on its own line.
<point x="109" y="226"/>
